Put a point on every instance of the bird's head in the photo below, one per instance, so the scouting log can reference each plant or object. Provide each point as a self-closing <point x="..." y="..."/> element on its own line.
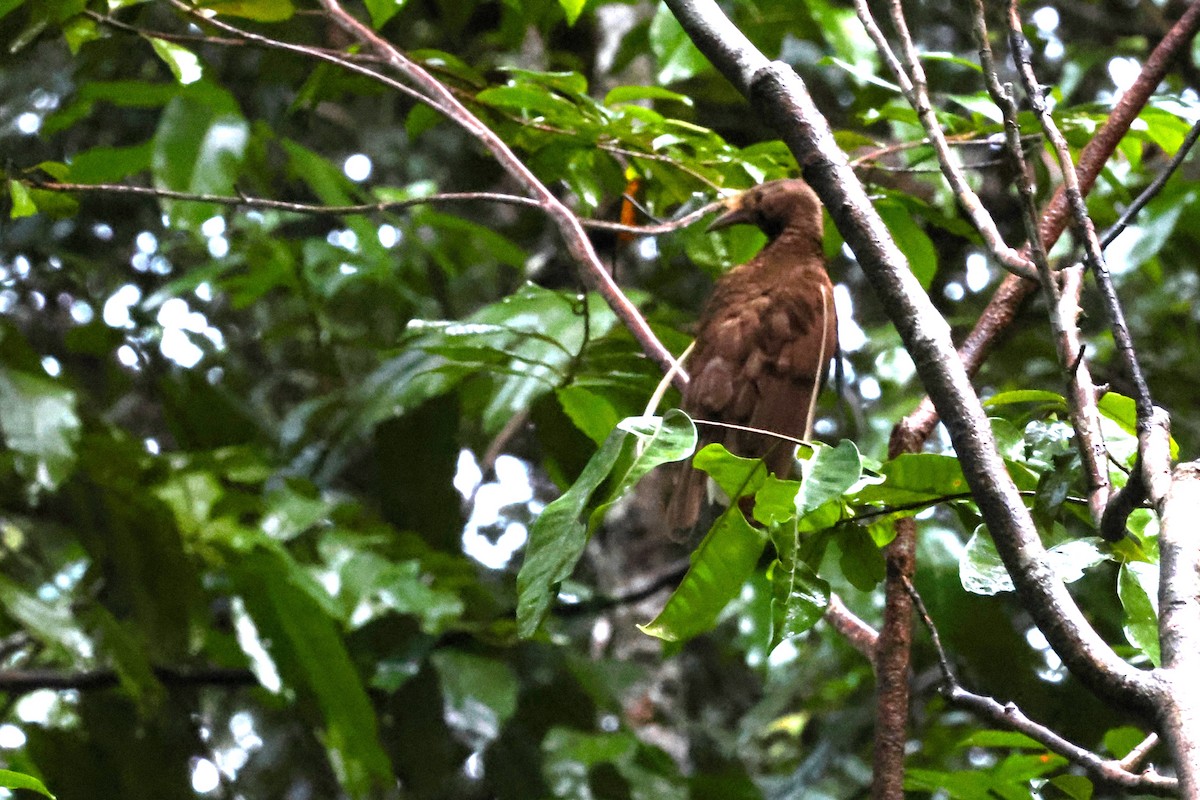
<point x="774" y="207"/>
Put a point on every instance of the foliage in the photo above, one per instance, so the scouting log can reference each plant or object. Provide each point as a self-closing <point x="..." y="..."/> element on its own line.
<point x="301" y="449"/>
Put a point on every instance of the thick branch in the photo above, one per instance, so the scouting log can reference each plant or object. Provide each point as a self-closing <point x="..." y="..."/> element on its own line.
<point x="780" y="94"/>
<point x="1179" y="624"/>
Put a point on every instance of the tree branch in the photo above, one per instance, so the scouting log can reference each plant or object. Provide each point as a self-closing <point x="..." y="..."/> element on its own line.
<point x="916" y="91"/>
<point x="1179" y="624"/>
<point x="1117" y="773"/>
<point x="430" y="91"/>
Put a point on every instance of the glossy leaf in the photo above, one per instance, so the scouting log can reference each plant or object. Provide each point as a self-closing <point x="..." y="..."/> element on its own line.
<point x="561" y="531"/>
<point x="678" y="59"/>
<point x="1137" y="587"/>
<point x="40" y="425"/>
<point x="720" y="566"/>
<point x="22" y="201"/>
<point x="312" y="657"/>
<point x="184" y="64"/>
<point x="17" y="780"/>
<point x="257" y="10"/>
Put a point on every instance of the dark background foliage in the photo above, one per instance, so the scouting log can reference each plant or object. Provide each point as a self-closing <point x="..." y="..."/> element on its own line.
<point x="230" y="449"/>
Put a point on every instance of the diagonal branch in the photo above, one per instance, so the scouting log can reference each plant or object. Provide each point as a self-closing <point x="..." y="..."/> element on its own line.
<point x="1116" y="773"/>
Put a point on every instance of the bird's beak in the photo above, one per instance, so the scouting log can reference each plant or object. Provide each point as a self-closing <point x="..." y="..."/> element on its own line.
<point x="735" y="214"/>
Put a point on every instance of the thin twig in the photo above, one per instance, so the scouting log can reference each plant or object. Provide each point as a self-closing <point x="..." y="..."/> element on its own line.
<point x="318" y="53"/>
<point x="1153" y="189"/>
<point x="246" y="201"/>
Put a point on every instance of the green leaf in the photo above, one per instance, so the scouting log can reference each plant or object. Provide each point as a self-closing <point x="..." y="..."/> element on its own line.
<point x="982" y="572"/>
<point x="39" y="424"/>
<point x="258" y="10"/>
<point x="980" y="569"/>
<point x="631" y="94"/>
<point x="1010" y="739"/>
<point x="198" y="147"/>
<point x="737" y="476"/>
<point x="383" y="10"/>
<point x="22" y="202"/>
<point x="312" y="658"/>
<point x="18" y="780"/>
<point x="1052" y="399"/>
<point x="862" y="561"/>
<point x="722" y="563"/>
<point x="913" y="478"/>
<point x="557" y="538"/>
<point x="52" y="624"/>
<point x="1137" y="587"/>
<point x="911" y="239"/>
<point x="591" y="413"/>
<point x="78" y="31"/>
<point x="572" y="8"/>
<point x="524" y="345"/>
<point x="799" y="597"/>
<point x="559" y="534"/>
<point x="678" y="59"/>
<point x="1121" y="741"/>
<point x="480" y="692"/>
<point x="122" y="645"/>
<point x="111" y="164"/>
<point x="1076" y="787"/>
<point x="184" y="64"/>
<point x="828" y="474"/>
<point x="1123" y="411"/>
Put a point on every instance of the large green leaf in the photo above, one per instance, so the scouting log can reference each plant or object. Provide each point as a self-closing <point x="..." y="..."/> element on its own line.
<point x="678" y="59"/>
<point x="311" y="658"/>
<point x="1137" y="586"/>
<point x="722" y="563"/>
<point x="18" y="780"/>
<point x="40" y="426"/>
<point x="525" y="344"/>
<point x="198" y="147"/>
<point x="558" y="536"/>
<point x="982" y="571"/>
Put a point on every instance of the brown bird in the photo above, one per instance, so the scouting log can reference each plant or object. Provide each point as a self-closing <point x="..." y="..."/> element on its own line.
<point x="764" y="340"/>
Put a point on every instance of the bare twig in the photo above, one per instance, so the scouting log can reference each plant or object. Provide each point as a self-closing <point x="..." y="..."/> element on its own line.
<point x="861" y="636"/>
<point x="1135" y="757"/>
